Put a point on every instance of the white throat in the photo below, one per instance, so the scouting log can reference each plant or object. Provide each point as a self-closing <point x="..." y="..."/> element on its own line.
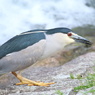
<point x="55" y="43"/>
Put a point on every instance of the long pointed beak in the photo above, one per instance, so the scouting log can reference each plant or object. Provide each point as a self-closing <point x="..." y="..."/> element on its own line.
<point x="80" y="39"/>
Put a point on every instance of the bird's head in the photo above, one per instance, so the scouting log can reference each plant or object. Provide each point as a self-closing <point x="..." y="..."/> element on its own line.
<point x="78" y="38"/>
<point x="68" y="36"/>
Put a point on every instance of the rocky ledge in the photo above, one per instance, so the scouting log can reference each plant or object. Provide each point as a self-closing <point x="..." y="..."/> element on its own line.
<point x="60" y="75"/>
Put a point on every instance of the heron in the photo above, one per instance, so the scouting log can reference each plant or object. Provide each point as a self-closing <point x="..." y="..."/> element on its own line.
<point x="33" y="46"/>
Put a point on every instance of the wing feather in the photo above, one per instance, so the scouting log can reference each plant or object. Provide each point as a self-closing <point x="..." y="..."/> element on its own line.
<point x="20" y="42"/>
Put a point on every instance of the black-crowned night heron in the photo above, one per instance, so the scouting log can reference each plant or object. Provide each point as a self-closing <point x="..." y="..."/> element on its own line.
<point x="32" y="46"/>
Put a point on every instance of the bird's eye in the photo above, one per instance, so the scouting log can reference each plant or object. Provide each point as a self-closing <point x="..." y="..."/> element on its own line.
<point x="69" y="34"/>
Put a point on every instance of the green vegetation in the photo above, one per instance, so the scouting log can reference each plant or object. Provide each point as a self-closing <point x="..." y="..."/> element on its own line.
<point x="75" y="77"/>
<point x="59" y="92"/>
<point x="89" y="82"/>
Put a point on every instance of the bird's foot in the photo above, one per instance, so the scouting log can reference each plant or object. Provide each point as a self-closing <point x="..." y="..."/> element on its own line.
<point x="30" y="82"/>
<point x="34" y="83"/>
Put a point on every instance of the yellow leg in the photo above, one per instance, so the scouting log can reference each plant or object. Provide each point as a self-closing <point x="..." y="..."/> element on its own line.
<point x="29" y="82"/>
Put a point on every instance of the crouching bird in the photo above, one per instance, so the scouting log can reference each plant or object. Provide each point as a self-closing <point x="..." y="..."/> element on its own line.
<point x="32" y="46"/>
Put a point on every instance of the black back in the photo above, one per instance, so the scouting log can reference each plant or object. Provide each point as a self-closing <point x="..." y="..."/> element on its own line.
<point x="20" y="42"/>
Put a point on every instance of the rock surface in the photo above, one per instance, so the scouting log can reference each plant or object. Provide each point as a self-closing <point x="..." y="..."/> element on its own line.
<point x="60" y="75"/>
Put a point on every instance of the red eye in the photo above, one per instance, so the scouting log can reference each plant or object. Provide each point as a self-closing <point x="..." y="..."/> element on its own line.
<point x="69" y="34"/>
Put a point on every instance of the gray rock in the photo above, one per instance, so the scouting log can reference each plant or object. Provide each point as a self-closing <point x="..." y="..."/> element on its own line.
<point x="60" y="75"/>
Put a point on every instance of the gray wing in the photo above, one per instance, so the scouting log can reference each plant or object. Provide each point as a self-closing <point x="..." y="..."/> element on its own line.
<point x="21" y="54"/>
<point x="20" y="42"/>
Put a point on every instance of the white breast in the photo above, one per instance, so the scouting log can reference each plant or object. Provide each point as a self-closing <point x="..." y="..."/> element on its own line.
<point x="56" y="43"/>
